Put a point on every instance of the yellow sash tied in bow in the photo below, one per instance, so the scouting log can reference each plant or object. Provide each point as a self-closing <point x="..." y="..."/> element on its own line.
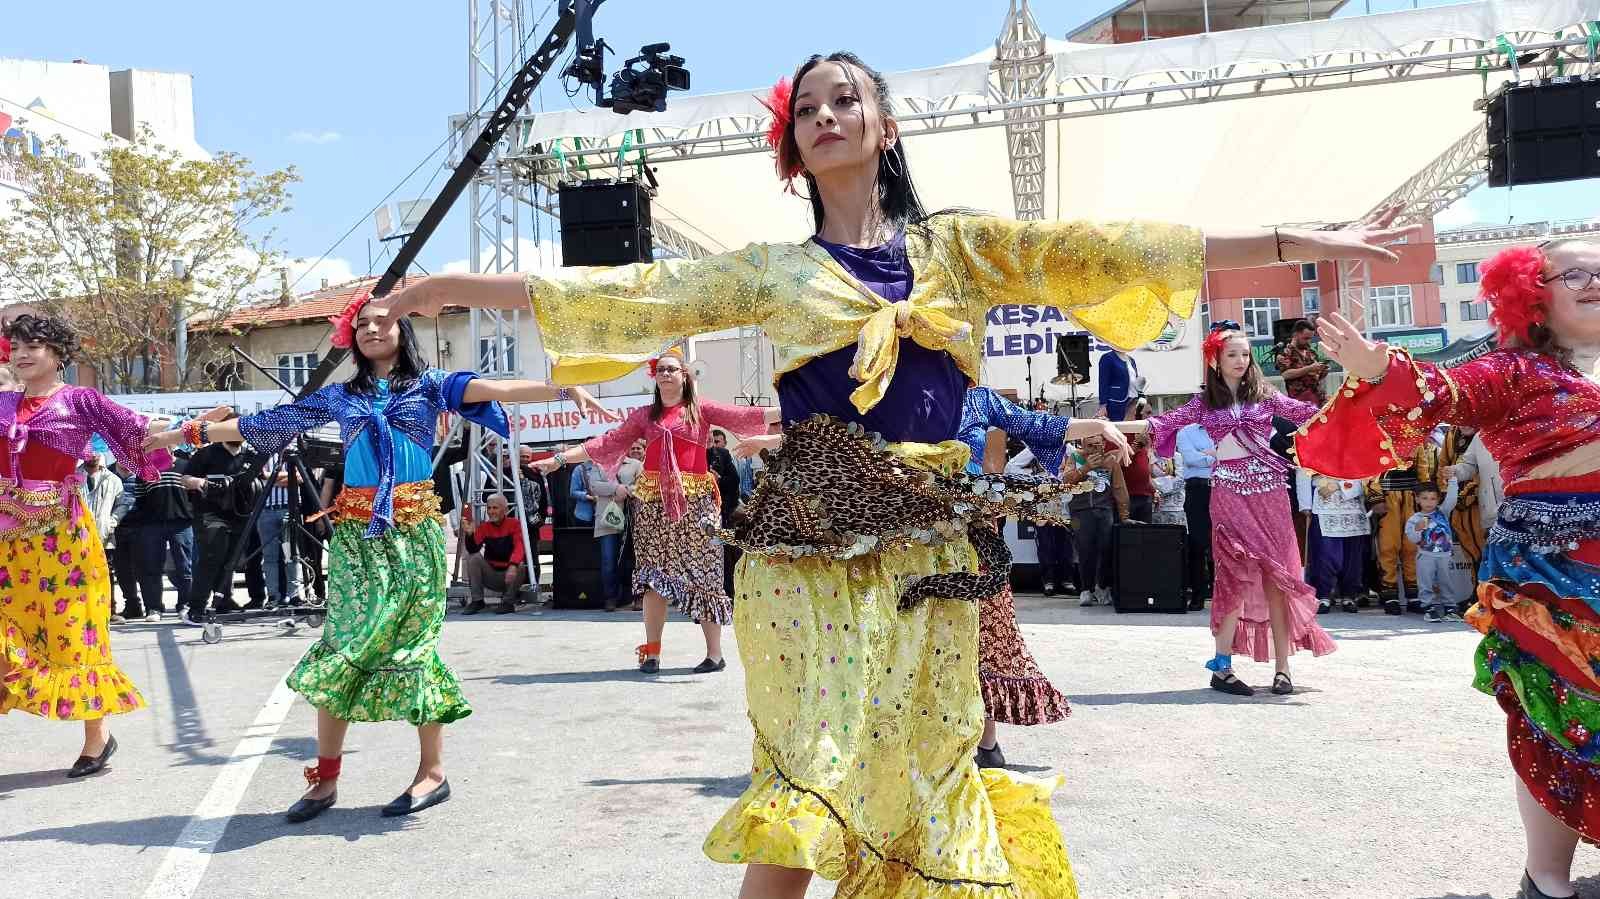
<point x="878" y="346"/>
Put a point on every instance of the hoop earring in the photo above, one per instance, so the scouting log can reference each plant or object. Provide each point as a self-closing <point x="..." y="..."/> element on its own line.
<point x="888" y="162"/>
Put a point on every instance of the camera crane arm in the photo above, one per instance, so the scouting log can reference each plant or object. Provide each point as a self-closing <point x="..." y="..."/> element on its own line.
<point x="574" y="15"/>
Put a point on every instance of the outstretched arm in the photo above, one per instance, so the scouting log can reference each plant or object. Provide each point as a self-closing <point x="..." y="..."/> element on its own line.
<point x="483" y="390"/>
<point x="600" y="323"/>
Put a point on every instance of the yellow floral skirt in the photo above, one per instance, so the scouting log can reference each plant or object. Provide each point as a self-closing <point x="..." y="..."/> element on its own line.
<point x="55" y="616"/>
<point x="866" y="721"/>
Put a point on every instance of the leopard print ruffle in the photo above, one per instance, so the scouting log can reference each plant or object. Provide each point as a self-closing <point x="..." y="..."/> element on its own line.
<point x="834" y="490"/>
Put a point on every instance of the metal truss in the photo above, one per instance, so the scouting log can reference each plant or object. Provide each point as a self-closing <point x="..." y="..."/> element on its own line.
<point x="1082" y="96"/>
<point x="496" y="30"/>
<point x="1023" y="70"/>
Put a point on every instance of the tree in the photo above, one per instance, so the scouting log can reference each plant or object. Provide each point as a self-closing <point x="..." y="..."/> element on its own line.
<point x="135" y="245"/>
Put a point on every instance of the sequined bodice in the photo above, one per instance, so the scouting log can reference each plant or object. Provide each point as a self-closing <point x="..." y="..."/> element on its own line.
<point x="1250" y="424"/>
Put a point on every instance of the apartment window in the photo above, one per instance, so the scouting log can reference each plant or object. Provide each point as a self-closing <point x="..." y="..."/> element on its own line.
<point x="1436" y="274"/>
<point x="1466" y="272"/>
<point x="1310" y="300"/>
<point x="1259" y="314"/>
<point x="294" y="369"/>
<point x="1205" y="317"/>
<point x="497" y="354"/>
<point x="1308" y="271"/>
<point x="1390" y="307"/>
<point x="1474" y="311"/>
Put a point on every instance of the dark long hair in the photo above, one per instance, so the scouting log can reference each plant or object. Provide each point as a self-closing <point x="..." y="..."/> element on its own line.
<point x="898" y="202"/>
<point x="408" y="364"/>
<point x="1252" y="387"/>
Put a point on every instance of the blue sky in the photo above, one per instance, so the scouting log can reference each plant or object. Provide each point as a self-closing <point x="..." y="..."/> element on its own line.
<point x="356" y="92"/>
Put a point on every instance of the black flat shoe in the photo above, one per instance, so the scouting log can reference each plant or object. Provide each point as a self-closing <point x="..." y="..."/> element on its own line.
<point x="1198" y="604"/>
<point x="1231" y="684"/>
<point x="1391" y="607"/>
<point x="87" y="765"/>
<point x="1350" y="605"/>
<point x="1530" y="890"/>
<point x="305" y="809"/>
<point x="707" y="666"/>
<point x="407" y="804"/>
<point x="991" y="758"/>
<point x="1281" y="684"/>
<point x="505" y="608"/>
<point x="649" y="666"/>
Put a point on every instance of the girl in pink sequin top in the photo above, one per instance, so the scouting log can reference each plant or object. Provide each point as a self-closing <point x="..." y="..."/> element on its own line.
<point x="1260" y="590"/>
<point x="55" y="587"/>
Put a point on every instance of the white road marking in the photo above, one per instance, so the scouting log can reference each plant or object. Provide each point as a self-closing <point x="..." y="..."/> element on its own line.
<point x="180" y="872"/>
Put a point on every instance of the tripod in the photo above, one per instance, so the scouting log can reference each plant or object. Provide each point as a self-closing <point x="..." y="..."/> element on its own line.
<point x="292" y="468"/>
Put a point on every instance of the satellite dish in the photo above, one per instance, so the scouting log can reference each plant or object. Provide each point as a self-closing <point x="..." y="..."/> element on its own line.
<point x="698" y="368"/>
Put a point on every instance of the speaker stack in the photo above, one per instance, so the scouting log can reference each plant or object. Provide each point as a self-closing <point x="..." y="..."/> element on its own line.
<point x="577" y="582"/>
<point x="1543" y="132"/>
<point x="605" y="223"/>
<point x="1072" y="359"/>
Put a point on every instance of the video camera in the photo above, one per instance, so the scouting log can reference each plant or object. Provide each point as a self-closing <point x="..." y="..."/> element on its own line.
<point x="641" y="84"/>
<point x="644" y="89"/>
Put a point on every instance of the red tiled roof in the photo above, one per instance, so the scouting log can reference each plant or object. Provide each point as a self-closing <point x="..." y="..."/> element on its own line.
<point x="318" y="305"/>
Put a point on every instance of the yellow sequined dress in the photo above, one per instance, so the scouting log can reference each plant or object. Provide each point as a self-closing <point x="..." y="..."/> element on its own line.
<point x="866" y="717"/>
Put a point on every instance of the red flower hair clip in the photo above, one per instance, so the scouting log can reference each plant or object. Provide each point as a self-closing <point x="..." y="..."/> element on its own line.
<point x="1510" y="282"/>
<point x="779" y="101"/>
<point x="1221" y="332"/>
<point x="670" y="351"/>
<point x="5" y="349"/>
<point x="344" y="324"/>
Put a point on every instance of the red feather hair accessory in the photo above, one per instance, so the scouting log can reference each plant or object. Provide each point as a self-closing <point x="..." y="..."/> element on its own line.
<point x="344" y="324"/>
<point x="5" y="349"/>
<point x="1510" y="281"/>
<point x="779" y="102"/>
<point x="1211" y="348"/>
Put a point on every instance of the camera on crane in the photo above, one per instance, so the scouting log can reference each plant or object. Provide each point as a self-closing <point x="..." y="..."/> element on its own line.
<point x="642" y="83"/>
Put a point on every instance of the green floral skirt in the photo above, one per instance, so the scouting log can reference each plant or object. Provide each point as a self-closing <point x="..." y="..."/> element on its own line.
<point x="378" y="658"/>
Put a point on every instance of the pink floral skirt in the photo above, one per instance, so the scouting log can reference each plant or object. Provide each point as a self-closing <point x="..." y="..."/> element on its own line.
<point x="1253" y="548"/>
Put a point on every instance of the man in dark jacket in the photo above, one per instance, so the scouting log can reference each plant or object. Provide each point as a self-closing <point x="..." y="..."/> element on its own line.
<point x="222" y="495"/>
<point x="165" y="520"/>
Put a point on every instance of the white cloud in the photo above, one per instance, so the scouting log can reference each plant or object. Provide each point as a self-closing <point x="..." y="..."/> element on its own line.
<point x="315" y="137"/>
<point x="530" y="255"/>
<point x="304" y="275"/>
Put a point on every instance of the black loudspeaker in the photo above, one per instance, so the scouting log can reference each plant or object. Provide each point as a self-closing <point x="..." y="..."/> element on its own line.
<point x="1283" y="329"/>
<point x="1544" y="132"/>
<point x="1072" y="359"/>
<point x="605" y="223"/>
<point x="577" y="582"/>
<point x="1148" y="567"/>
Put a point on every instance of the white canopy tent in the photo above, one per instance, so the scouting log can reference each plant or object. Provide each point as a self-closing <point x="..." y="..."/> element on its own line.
<point x="1288" y="147"/>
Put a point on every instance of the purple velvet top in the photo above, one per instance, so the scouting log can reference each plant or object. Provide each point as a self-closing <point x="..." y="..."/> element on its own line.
<point x="923" y="403"/>
<point x="1251" y="423"/>
<point x="66" y="421"/>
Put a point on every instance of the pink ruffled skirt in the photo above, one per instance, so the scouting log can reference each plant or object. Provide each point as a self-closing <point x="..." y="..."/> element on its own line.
<point x="1253" y="547"/>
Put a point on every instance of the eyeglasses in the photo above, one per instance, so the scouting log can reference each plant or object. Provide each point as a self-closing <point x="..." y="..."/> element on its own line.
<point x="667" y="370"/>
<point x="1575" y="279"/>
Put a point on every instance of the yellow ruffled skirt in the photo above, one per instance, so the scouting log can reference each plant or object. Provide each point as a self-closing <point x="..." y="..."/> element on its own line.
<point x="55" y="625"/>
<point x="866" y="720"/>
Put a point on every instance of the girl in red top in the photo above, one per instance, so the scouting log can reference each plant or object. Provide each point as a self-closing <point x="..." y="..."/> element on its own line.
<point x="677" y="500"/>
